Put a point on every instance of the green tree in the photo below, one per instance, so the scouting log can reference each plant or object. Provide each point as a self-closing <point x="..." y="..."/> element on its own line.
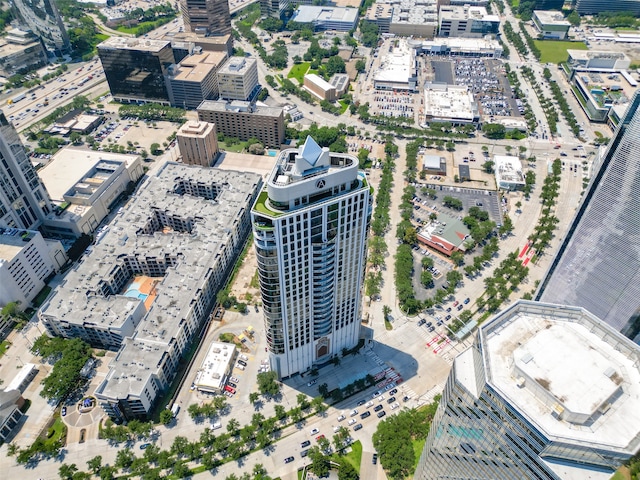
<point x="94" y="464"/>
<point x="319" y="462"/>
<point x="267" y="383"/>
<point x="574" y="18"/>
<point x="66" y="472"/>
<point x="360" y="65"/>
<point x="165" y="417"/>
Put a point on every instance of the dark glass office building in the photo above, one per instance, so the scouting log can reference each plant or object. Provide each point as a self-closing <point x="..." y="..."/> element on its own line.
<point x="43" y="19"/>
<point x="24" y="201"/>
<point x="206" y="17"/>
<point x="598" y="264"/>
<point x="135" y="68"/>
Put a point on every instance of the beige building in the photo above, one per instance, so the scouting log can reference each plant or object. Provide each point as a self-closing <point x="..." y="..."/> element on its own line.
<point x="319" y="87"/>
<point x="245" y="120"/>
<point x="19" y="51"/>
<point x="186" y="43"/>
<point x="198" y="143"/>
<point x="194" y="79"/>
<point x="238" y="79"/>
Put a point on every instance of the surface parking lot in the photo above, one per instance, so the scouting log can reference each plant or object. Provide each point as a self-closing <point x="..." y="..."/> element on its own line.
<point x="470" y="197"/>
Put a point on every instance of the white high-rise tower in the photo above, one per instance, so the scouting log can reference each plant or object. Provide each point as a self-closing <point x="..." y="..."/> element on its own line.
<point x="310" y="229"/>
<point x="24" y="201"/>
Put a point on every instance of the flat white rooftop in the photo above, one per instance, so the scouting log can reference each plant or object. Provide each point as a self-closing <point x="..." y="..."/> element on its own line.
<point x="570" y="374"/>
<point x="397" y="66"/>
<point x="454" y="102"/>
<point x="70" y="165"/>
<point x="214" y="368"/>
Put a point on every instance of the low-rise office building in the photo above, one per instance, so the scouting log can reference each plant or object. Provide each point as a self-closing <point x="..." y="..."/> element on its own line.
<point x="460" y="47"/>
<point x="449" y="103"/>
<point x="434" y="165"/>
<point x="194" y="79"/>
<point x="184" y="44"/>
<point x="245" y="120"/>
<point x="136" y="68"/>
<point x="466" y="21"/>
<point x="509" y="174"/>
<point x="319" y="87"/>
<point x="597" y="60"/>
<point x="20" y="51"/>
<point x="148" y="285"/>
<point x="198" y="143"/>
<point x="27" y="260"/>
<point x="551" y="24"/>
<point x="321" y="18"/>
<point x="85" y="186"/>
<point x="397" y="69"/>
<point x="10" y="414"/>
<point x="594" y="7"/>
<point x="380" y="14"/>
<point x="415" y="18"/>
<point x="447" y="234"/>
<point x="238" y="79"/>
<point x="216" y="367"/>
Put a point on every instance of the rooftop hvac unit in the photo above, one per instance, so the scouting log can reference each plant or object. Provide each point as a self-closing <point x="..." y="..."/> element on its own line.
<point x="520" y="382"/>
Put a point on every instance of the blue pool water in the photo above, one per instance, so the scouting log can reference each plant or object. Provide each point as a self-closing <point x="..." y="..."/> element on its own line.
<point x="135" y="293"/>
<point x="272" y="153"/>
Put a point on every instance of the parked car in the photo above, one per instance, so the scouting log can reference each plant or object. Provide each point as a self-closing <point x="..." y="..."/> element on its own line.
<point x="378" y="408"/>
<point x="366" y="414"/>
<point x="288" y="460"/>
<point x="381" y="414"/>
<point x="305" y="444"/>
<point x="357" y="427"/>
<point x="144" y="445"/>
<point x="374" y="459"/>
<point x="314" y="431"/>
<point x="311" y="383"/>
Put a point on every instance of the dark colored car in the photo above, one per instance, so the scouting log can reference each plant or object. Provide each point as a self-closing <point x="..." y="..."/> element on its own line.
<point x="431" y="329"/>
<point x="460" y="307"/>
<point x="144" y="445"/>
<point x="466" y="300"/>
<point x="365" y="415"/>
<point x="64" y="411"/>
<point x="448" y="309"/>
<point x="374" y="459"/>
<point x="232" y="385"/>
<point x="391" y="400"/>
<point x="378" y="408"/>
<point x="357" y="427"/>
<point x="242" y="362"/>
<point x="381" y="414"/>
<point x="447" y="318"/>
<point x="305" y="444"/>
<point x="304" y="453"/>
<point x="393" y="392"/>
<point x="288" y="460"/>
<point x="421" y="322"/>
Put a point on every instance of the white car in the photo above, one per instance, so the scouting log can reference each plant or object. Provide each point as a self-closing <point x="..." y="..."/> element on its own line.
<point x="369" y="404"/>
<point x="314" y="431"/>
<point x="380" y="398"/>
<point x="336" y="428"/>
<point x="395" y="405"/>
<point x="353" y="413"/>
<point x="352" y="421"/>
<point x="341" y="417"/>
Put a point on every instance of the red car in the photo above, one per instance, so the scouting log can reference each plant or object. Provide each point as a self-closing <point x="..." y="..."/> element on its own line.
<point x="229" y="389"/>
<point x="319" y="437"/>
<point x="455" y="304"/>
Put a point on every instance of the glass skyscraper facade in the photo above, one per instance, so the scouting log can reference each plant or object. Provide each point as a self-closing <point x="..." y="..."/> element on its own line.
<point x="598" y="264"/>
<point x="310" y="229"/>
<point x="43" y="19"/>
<point x="24" y="201"/>
<point x="546" y="392"/>
<point x="135" y="69"/>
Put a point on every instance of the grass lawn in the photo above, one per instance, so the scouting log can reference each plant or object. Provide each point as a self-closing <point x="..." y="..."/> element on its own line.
<point x="354" y="457"/>
<point x="298" y="71"/>
<point x="237" y="147"/>
<point x="42" y="296"/>
<point x="621" y="474"/>
<point x="4" y="346"/>
<point x="554" y="51"/>
<point x="343" y="106"/>
<point x="57" y="431"/>
<point x="418" y="445"/>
